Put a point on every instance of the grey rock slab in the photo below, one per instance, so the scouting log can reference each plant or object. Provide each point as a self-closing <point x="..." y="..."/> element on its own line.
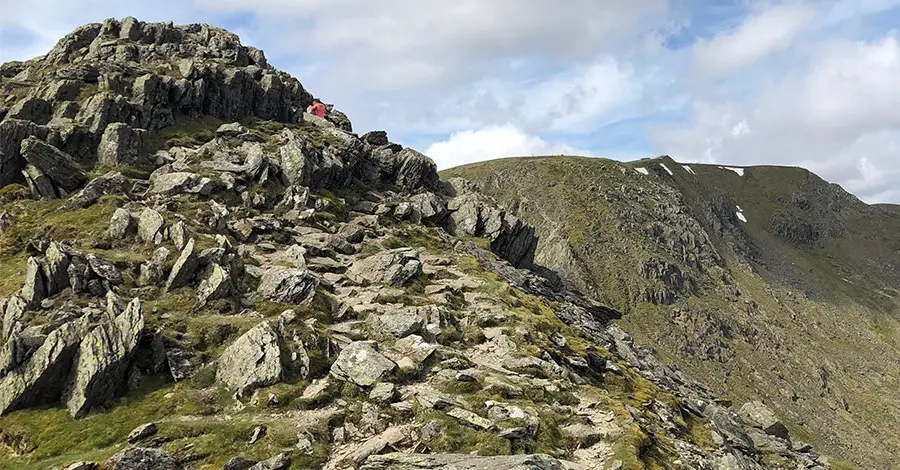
<point x="287" y="285"/>
<point x="56" y="164"/>
<point x="41" y="379"/>
<point x="361" y="363"/>
<point x="102" y="361"/>
<point x="252" y="361"/>
<point x="184" y="268"/>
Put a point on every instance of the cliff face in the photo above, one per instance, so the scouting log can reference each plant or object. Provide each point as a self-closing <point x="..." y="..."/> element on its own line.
<point x="762" y="282"/>
<point x="195" y="274"/>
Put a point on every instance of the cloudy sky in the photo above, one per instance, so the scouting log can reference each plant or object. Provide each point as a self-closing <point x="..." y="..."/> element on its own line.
<point x="742" y="82"/>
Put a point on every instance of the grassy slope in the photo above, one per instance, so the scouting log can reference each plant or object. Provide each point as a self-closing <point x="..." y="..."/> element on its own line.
<point x="795" y="310"/>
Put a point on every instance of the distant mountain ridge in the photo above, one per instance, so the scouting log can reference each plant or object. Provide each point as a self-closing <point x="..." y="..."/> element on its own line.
<point x="761" y="280"/>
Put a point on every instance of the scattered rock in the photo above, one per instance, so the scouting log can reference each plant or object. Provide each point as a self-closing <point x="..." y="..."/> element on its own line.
<point x="109" y="183"/>
<point x="150" y="222"/>
<point x="383" y="392"/>
<point x="258" y="433"/>
<point x="120" y="224"/>
<point x="400" y="461"/>
<point x="238" y="463"/>
<point x="139" y="458"/>
<point x="81" y="466"/>
<point x="280" y="462"/>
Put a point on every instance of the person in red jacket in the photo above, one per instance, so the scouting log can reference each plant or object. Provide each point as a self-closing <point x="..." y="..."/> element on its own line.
<point x="317" y="108"/>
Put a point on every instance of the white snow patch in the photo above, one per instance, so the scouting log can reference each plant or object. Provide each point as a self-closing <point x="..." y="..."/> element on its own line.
<point x="740" y="215"/>
<point x="739" y="171"/>
<point x="642" y="171"/>
<point x="688" y="169"/>
<point x="663" y="165"/>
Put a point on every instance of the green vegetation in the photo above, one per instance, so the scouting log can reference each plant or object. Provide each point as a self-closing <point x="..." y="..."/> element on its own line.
<point x="185" y="132"/>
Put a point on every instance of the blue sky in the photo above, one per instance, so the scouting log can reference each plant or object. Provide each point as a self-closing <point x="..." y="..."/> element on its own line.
<point x="740" y="82"/>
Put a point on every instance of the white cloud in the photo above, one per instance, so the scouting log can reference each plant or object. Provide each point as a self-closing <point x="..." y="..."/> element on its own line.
<point x="493" y="142"/>
<point x="837" y="116"/>
<point x="762" y="34"/>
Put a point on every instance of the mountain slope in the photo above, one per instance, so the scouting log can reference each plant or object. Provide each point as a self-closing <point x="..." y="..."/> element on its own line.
<point x="197" y="275"/>
<point x="761" y="281"/>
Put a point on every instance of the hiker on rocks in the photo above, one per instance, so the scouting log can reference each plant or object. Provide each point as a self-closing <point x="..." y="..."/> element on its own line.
<point x="317" y="108"/>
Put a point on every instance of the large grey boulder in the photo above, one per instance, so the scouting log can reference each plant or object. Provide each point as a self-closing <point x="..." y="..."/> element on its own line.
<point x="33" y="290"/>
<point x="150" y="222"/>
<point x="253" y="361"/>
<point x="120" y="145"/>
<point x="400" y="461"/>
<point x="362" y="364"/>
<point x="56" y="164"/>
<point x="41" y="379"/>
<point x="216" y="284"/>
<point x="102" y="361"/>
<point x="281" y="461"/>
<point x="287" y="285"/>
<point x="758" y="414"/>
<point x="393" y="267"/>
<point x="139" y="458"/>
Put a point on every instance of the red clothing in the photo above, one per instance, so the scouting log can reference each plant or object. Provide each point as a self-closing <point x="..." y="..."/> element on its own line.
<point x="318" y="109"/>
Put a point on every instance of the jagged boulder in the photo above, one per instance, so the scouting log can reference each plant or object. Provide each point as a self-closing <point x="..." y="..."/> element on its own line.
<point x="361" y="363"/>
<point x="120" y="145"/>
<point x="57" y="165"/>
<point x="42" y="378"/>
<point x="395" y="268"/>
<point x="185" y="267"/>
<point x="253" y="361"/>
<point x="415" y="171"/>
<point x="216" y="284"/>
<point x="402" y="461"/>
<point x="287" y="285"/>
<point x="102" y="361"/>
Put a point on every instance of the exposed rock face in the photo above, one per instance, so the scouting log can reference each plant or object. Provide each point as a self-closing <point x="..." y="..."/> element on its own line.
<point x="253" y="361"/>
<point x="42" y="377"/>
<point x="361" y="364"/>
<point x="184" y="268"/>
<point x="12" y="133"/>
<point x="463" y="462"/>
<point x="103" y="359"/>
<point x="474" y="215"/>
<point x="120" y="145"/>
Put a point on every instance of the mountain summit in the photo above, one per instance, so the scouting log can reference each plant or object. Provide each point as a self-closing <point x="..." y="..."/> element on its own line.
<point x="196" y="273"/>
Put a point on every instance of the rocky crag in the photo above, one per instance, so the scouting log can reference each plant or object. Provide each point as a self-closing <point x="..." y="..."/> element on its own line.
<point x="196" y="274"/>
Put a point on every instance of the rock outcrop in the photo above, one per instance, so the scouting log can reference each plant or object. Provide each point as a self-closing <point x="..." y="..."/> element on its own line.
<point x="103" y="359"/>
<point x="251" y="362"/>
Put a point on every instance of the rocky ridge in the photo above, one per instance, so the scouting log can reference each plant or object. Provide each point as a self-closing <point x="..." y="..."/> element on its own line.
<point x="275" y="291"/>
